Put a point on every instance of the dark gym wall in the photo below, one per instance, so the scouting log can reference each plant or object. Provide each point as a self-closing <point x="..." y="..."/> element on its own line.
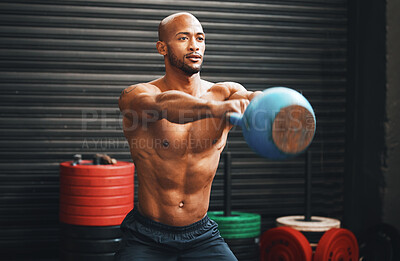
<point x="391" y="166"/>
<point x="373" y="149"/>
<point x="64" y="64"/>
<point x="364" y="179"/>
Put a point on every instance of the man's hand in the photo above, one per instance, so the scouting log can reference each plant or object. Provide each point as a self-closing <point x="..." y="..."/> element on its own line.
<point x="235" y="98"/>
<point x="220" y="109"/>
<point x="244" y="95"/>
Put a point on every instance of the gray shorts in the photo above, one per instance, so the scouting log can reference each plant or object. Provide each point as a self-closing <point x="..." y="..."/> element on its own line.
<point x="146" y="239"/>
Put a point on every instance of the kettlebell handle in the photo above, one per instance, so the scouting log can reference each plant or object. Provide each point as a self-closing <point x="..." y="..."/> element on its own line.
<point x="236" y="119"/>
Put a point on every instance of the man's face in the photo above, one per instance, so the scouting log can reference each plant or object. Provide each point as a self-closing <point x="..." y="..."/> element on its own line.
<point x="186" y="44"/>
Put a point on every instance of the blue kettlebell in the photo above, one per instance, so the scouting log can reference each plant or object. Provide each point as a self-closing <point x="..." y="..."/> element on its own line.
<point x="277" y="124"/>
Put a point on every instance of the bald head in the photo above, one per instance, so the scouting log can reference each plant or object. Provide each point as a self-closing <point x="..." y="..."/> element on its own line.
<point x="168" y="24"/>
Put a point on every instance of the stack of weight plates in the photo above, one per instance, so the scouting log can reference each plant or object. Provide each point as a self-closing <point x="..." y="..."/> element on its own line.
<point x="312" y="230"/>
<point x="288" y="242"/>
<point x="241" y="232"/>
<point x="284" y="244"/>
<point x="94" y="199"/>
<point x="89" y="242"/>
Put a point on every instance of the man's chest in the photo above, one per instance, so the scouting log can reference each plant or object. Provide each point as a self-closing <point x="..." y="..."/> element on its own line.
<point x="192" y="137"/>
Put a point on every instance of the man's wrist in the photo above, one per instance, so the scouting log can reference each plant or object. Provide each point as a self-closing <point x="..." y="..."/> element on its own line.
<point x="217" y="108"/>
<point x="254" y="94"/>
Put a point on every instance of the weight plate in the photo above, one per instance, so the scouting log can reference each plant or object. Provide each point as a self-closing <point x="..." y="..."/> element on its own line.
<point x="234" y="231"/>
<point x="90" y="245"/>
<point x="96" y="191"/>
<point x="337" y="244"/>
<point x="91" y="220"/>
<point x="95" y="181"/>
<point x="96" y="201"/>
<point x="317" y="224"/>
<point x="242" y="225"/>
<point x="96" y="211"/>
<point x="236" y="218"/>
<point x="241" y="235"/>
<point x="119" y="169"/>
<point x="90" y="232"/>
<point x="284" y="244"/>
<point x="382" y="244"/>
<point x="72" y="256"/>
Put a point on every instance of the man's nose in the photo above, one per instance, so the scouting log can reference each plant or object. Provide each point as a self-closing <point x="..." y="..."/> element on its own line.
<point x="194" y="45"/>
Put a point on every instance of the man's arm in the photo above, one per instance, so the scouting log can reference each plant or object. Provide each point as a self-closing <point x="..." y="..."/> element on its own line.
<point x="231" y="91"/>
<point x="147" y="101"/>
<point x="237" y="91"/>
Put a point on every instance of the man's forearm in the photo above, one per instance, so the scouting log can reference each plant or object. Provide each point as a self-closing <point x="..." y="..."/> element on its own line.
<point x="244" y="95"/>
<point x="179" y="107"/>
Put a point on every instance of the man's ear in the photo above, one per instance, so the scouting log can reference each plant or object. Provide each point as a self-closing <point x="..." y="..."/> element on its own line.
<point x="161" y="48"/>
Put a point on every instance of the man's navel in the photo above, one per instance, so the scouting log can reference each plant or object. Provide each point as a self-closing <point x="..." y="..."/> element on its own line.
<point x="165" y="143"/>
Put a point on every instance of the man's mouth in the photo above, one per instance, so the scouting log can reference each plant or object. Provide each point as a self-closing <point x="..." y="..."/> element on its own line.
<point x="194" y="57"/>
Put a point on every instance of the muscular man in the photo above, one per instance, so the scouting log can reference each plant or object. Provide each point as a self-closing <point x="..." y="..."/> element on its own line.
<point x="177" y="127"/>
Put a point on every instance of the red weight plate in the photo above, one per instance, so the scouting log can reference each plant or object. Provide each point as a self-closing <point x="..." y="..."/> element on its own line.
<point x="95" y="181"/>
<point x="337" y="244"/>
<point x="91" y="220"/>
<point x="96" y="201"/>
<point x="96" y="191"/>
<point x="119" y="169"/>
<point x="284" y="244"/>
<point x="96" y="211"/>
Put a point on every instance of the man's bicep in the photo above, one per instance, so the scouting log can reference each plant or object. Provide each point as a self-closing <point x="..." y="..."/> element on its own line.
<point x="236" y="87"/>
<point x="237" y="91"/>
<point x="223" y="91"/>
<point x="136" y="98"/>
<point x="240" y="95"/>
<point x="249" y="95"/>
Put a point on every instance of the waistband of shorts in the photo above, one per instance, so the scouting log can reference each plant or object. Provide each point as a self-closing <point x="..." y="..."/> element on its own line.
<point x="175" y="229"/>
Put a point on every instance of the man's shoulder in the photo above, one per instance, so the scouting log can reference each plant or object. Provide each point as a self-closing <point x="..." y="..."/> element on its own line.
<point x="235" y="85"/>
<point x="136" y="91"/>
<point x="206" y="84"/>
<point x="141" y="87"/>
<point x="232" y="86"/>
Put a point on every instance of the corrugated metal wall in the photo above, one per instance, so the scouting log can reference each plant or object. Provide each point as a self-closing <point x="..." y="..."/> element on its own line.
<point x="64" y="64"/>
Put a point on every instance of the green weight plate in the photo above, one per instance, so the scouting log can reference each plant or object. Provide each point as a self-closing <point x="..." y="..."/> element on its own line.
<point x="240" y="225"/>
<point x="240" y="235"/>
<point x="239" y="230"/>
<point x="237" y="217"/>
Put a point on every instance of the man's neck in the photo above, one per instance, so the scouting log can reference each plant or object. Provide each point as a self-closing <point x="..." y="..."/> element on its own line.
<point x="178" y="80"/>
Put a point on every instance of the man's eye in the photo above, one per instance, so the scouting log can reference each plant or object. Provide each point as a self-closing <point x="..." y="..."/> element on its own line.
<point x="182" y="38"/>
<point x="200" y="38"/>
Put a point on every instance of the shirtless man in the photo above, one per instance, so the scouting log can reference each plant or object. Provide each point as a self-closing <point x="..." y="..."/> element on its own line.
<point x="177" y="127"/>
